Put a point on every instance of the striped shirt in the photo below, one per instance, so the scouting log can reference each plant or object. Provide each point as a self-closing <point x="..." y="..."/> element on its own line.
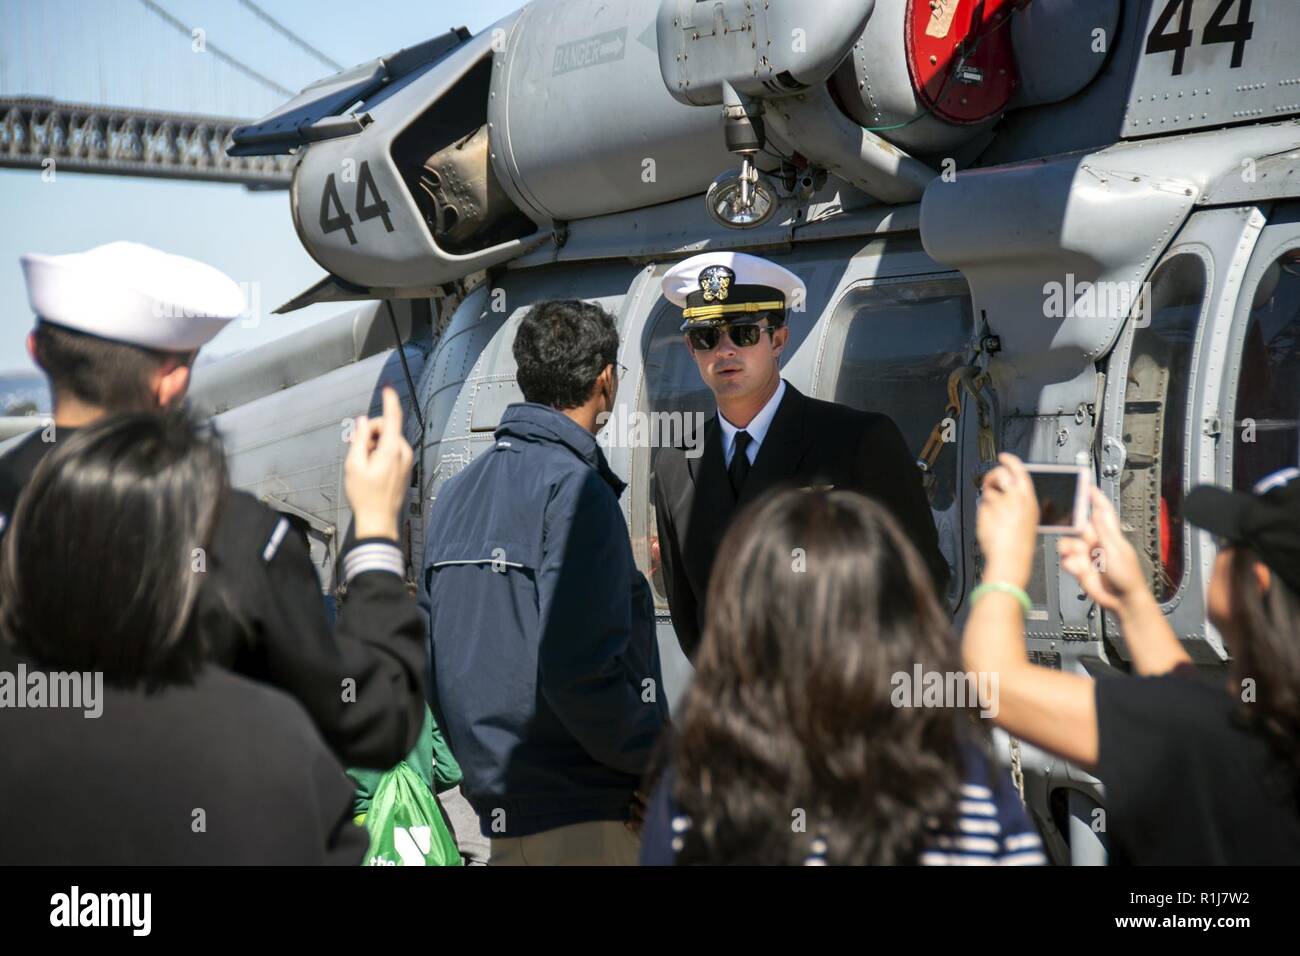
<point x="992" y="830"/>
<point x="992" y="827"/>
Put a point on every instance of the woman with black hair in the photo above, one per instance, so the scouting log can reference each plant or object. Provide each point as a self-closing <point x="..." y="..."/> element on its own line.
<point x="795" y="744"/>
<point x="1196" y="771"/>
<point x="119" y="742"/>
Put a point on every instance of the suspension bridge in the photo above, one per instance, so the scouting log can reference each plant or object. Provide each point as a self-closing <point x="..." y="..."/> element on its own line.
<point x="147" y="87"/>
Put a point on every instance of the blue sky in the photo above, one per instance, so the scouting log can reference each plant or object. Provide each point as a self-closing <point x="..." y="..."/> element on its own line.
<point x="121" y="53"/>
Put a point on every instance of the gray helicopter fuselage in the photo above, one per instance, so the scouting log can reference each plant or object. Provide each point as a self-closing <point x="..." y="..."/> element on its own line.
<point x="1110" y="262"/>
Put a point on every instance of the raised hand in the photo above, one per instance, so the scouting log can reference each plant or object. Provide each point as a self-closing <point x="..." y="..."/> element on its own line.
<point x="1102" y="559"/>
<point x="1007" y="522"/>
<point x="377" y="471"/>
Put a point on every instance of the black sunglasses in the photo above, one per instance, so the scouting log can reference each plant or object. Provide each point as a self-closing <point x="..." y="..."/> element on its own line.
<point x="706" y="339"/>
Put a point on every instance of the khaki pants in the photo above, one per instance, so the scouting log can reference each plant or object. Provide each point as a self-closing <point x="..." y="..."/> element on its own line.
<point x="599" y="843"/>
<point x="464" y="825"/>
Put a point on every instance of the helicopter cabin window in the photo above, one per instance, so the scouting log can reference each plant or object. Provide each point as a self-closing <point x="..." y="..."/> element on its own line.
<point x="897" y="345"/>
<point x="1266" y="432"/>
<point x="1155" y="422"/>
<point x="672" y="388"/>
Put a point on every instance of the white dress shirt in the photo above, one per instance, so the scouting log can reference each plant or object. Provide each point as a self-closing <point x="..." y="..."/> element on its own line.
<point x="757" y="428"/>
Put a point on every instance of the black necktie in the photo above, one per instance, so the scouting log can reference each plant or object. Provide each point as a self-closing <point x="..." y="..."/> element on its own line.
<point x="739" y="462"/>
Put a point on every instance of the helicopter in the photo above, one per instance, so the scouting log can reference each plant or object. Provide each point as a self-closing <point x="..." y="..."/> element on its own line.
<point x="1068" y="229"/>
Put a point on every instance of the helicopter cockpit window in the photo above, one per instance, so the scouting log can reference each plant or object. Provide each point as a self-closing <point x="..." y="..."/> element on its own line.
<point x="1155" y="422"/>
<point x="891" y="349"/>
<point x="1266" y="432"/>
<point x="672" y="385"/>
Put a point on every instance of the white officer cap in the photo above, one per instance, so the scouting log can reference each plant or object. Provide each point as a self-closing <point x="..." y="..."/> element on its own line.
<point x="728" y="286"/>
<point x="132" y="293"/>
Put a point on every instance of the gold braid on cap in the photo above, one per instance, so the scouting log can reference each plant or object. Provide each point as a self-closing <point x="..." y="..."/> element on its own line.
<point x="700" y="312"/>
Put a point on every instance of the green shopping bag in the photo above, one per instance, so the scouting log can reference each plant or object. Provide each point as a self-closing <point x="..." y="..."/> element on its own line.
<point x="405" y="825"/>
<point x="398" y="809"/>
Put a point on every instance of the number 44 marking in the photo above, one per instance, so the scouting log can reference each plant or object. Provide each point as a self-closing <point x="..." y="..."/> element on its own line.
<point x="334" y="217"/>
<point x="1216" y="30"/>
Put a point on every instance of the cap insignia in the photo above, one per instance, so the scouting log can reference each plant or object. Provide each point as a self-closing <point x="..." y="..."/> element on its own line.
<point x="715" y="283"/>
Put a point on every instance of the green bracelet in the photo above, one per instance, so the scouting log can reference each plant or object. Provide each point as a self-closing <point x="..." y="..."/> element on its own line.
<point x="1002" y="586"/>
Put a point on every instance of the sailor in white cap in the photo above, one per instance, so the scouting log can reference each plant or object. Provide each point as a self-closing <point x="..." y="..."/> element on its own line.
<point x="735" y="308"/>
<point x="132" y="293"/>
<point x="117" y="330"/>
<point x="104" y="314"/>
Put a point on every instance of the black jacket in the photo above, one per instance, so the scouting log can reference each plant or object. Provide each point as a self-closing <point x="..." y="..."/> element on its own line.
<point x="545" y="658"/>
<point x="223" y="770"/>
<point x="263" y="614"/>
<point x="810" y="442"/>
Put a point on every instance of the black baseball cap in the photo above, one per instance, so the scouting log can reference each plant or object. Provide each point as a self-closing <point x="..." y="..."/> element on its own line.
<point x="1266" y="520"/>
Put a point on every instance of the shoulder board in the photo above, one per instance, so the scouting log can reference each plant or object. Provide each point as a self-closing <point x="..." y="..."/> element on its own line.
<point x="277" y="536"/>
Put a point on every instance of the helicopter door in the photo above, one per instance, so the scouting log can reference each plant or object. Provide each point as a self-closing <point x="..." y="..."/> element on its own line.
<point x="890" y="347"/>
<point x="1161" y="424"/>
<point x="1262" y="383"/>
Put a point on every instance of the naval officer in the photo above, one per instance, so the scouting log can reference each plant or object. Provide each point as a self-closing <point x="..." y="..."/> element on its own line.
<point x="117" y="330"/>
<point x="734" y="308"/>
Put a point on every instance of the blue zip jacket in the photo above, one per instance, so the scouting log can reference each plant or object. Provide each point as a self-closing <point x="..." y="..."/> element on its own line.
<point x="545" y="665"/>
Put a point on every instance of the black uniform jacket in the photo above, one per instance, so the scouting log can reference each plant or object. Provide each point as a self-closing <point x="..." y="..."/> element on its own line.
<point x="221" y="770"/>
<point x="809" y="442"/>
<point x="263" y="614"/>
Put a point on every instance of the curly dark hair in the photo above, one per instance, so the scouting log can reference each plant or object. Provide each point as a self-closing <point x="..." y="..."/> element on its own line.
<point x="1264" y="647"/>
<point x="816" y="601"/>
<point x="561" y="347"/>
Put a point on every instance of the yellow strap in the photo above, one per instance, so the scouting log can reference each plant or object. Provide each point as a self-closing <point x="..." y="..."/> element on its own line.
<point x="712" y="311"/>
<point x="974" y="381"/>
<point x="934" y="444"/>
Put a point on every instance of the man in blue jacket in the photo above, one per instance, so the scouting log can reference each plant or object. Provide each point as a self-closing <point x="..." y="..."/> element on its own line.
<point x="545" y="664"/>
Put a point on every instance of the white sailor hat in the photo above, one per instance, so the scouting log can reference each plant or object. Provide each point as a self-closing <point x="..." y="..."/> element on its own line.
<point x="132" y="293"/>
<point x="718" y="287"/>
